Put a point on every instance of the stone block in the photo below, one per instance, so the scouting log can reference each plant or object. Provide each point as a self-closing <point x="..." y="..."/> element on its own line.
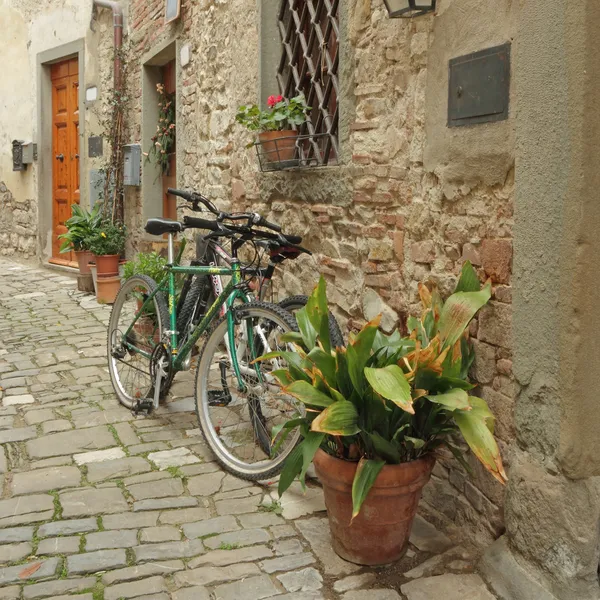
<point x="449" y="587"/>
<point x="353" y="582"/>
<point x="16" y="534"/>
<point x="484" y="366"/>
<point x="252" y="588"/>
<point x="503" y="409"/>
<point x="205" y="485"/>
<point x="374" y="594"/>
<point x="44" y="480"/>
<point x="495" y="324"/>
<point x="25" y="510"/>
<point x="164" y="533"/>
<point x="40" y="569"/>
<point x="210" y="527"/>
<point x="117" y="469"/>
<point x="10" y="553"/>
<point x="173" y="458"/>
<point x="427" y="538"/>
<point x="165" y="488"/>
<point x="143" y="587"/>
<point x="102" y="540"/>
<point x="287" y="563"/>
<point x="398" y="242"/>
<point x="51" y="589"/>
<point x="164" y="567"/>
<point x="92" y="501"/>
<point x="211" y="575"/>
<point x="306" y="580"/>
<point x="496" y="259"/>
<point x="92" y="562"/>
<point x="194" y="593"/>
<point x="70" y="442"/>
<point x="167" y="550"/>
<point x="59" y="545"/>
<point x="423" y="252"/>
<point x="130" y="520"/>
<point x="221" y="558"/>
<point x="68" y="527"/>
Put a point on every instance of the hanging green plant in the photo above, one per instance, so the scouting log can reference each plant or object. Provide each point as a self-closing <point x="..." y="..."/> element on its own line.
<point x="163" y="142"/>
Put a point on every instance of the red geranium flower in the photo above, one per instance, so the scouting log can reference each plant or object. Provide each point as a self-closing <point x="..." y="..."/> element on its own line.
<point x="273" y="100"/>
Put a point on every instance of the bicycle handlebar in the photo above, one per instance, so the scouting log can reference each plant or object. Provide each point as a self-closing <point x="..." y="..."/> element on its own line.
<point x="252" y="218"/>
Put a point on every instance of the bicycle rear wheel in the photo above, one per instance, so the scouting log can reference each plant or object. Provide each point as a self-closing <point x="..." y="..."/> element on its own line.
<point x="129" y="362"/>
<point x="294" y="303"/>
<point x="237" y="425"/>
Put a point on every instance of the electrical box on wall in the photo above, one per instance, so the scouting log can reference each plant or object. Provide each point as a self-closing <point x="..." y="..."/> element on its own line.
<point x="132" y="159"/>
<point x="24" y="153"/>
<point x="479" y="87"/>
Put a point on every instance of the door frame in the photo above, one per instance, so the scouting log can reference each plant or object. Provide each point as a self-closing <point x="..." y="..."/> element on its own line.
<point x="44" y="61"/>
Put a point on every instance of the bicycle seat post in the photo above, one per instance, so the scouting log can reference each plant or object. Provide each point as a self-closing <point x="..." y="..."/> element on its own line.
<point x="171" y="249"/>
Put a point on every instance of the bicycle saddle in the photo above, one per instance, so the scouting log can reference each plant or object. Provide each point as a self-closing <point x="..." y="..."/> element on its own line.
<point x="159" y="226"/>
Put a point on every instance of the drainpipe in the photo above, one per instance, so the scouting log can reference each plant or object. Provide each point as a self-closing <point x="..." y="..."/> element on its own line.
<point x="117" y="11"/>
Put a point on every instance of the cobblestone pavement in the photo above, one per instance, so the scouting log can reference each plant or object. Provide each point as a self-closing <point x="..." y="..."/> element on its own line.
<point x="99" y="504"/>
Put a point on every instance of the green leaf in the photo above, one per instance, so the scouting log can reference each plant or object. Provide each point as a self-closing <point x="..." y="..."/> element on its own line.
<point x="287" y="428"/>
<point x="481" y="441"/>
<point x="457" y="313"/>
<point x="291" y="468"/>
<point x="455" y="399"/>
<point x="325" y="362"/>
<point x="384" y="448"/>
<point x="341" y="418"/>
<point x="307" y="330"/>
<point x="318" y="313"/>
<point x="416" y="442"/>
<point x="310" y="445"/>
<point x="283" y="376"/>
<point x="342" y="375"/>
<point x="292" y="336"/>
<point x="468" y="281"/>
<point x="413" y="324"/>
<point x="390" y="383"/>
<point x="307" y="394"/>
<point x="366" y="474"/>
<point x="481" y="409"/>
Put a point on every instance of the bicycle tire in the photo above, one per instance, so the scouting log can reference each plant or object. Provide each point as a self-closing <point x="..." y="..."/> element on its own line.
<point x="212" y="433"/>
<point x="299" y="301"/>
<point x="162" y="312"/>
<point x="192" y="297"/>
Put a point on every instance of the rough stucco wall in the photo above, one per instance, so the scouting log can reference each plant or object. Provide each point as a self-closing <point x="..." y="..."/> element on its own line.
<point x="380" y="221"/>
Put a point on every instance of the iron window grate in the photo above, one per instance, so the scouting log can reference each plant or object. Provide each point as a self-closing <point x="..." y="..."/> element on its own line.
<point x="309" y="63"/>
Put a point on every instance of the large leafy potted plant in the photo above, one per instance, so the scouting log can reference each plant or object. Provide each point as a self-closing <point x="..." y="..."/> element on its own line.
<point x="80" y="227"/>
<point x="275" y="126"/>
<point x="377" y="412"/>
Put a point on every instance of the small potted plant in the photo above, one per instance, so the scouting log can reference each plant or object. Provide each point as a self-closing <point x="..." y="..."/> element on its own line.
<point x="377" y="413"/>
<point x="275" y="126"/>
<point x="152" y="265"/>
<point x="80" y="227"/>
<point x="107" y="244"/>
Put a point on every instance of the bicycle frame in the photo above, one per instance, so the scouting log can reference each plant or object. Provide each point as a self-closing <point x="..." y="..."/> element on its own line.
<point x="228" y="296"/>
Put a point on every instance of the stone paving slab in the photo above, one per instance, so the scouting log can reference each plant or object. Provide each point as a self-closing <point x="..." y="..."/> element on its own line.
<point x="99" y="504"/>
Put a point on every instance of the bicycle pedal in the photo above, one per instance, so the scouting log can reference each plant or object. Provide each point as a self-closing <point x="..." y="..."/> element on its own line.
<point x="146" y="405"/>
<point x="219" y="398"/>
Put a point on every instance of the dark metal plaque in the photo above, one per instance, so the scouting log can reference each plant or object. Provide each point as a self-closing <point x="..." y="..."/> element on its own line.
<point x="94" y="146"/>
<point x="479" y="87"/>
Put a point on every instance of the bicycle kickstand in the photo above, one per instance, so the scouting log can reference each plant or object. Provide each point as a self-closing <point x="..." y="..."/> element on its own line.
<point x="149" y="404"/>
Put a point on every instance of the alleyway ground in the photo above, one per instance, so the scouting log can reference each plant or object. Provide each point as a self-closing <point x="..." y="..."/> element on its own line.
<point x="97" y="503"/>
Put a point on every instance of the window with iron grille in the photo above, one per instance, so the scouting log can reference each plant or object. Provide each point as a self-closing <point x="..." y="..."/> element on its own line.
<point x="309" y="31"/>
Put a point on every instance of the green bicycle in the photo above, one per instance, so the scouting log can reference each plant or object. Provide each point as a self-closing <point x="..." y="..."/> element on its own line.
<point x="238" y="401"/>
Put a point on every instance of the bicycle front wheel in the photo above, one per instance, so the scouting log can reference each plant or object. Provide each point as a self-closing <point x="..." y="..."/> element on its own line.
<point x="129" y="354"/>
<point x="238" y="424"/>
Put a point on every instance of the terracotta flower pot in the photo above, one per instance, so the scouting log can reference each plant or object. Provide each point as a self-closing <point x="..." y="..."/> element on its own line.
<point x="83" y="258"/>
<point x="379" y="534"/>
<point x="278" y="146"/>
<point x="107" y="289"/>
<point x="107" y="265"/>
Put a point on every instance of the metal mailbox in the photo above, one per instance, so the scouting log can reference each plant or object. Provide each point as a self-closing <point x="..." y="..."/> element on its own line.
<point x="132" y="159"/>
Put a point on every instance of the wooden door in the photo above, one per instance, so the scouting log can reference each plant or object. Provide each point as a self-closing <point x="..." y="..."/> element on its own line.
<point x="170" y="180"/>
<point x="65" y="151"/>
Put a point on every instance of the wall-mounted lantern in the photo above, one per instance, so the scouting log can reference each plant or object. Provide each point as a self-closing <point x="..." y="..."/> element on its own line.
<point x="409" y="8"/>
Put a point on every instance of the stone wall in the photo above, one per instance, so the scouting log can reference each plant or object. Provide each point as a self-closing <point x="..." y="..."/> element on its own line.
<point x="18" y="220"/>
